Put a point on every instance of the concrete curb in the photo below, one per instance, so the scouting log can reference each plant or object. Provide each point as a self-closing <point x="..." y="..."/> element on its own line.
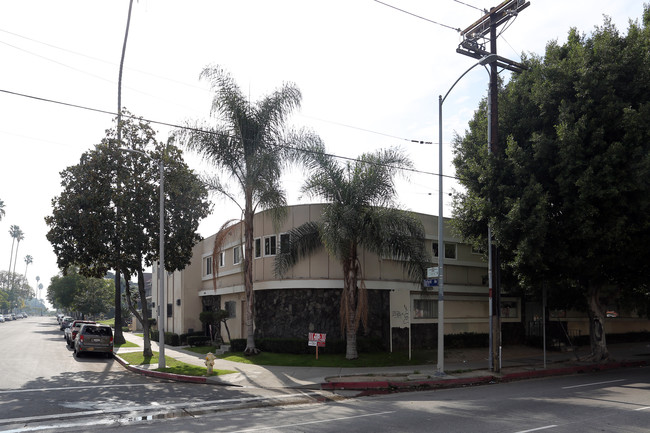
<point x="480" y="380"/>
<point x="160" y="374"/>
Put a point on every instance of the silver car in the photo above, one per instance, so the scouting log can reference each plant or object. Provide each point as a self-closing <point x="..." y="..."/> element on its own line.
<point x="94" y="338"/>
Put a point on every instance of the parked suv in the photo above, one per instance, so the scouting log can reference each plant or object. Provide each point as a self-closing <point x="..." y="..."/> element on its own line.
<point x="94" y="338"/>
<point x="71" y="332"/>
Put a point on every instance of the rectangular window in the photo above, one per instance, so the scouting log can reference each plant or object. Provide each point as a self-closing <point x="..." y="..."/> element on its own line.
<point x="208" y="266"/>
<point x="285" y="238"/>
<point x="222" y="259"/>
<point x="258" y="248"/>
<point x="425" y="309"/>
<point x="509" y="309"/>
<point x="450" y="250"/>
<point x="231" y="308"/>
<point x="236" y="255"/>
<point x="169" y="310"/>
<point x="270" y="245"/>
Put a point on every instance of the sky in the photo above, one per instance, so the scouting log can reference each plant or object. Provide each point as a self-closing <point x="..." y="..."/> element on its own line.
<point x="370" y="77"/>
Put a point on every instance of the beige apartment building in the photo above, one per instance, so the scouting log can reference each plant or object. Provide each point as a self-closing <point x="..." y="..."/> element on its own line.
<point x="307" y="298"/>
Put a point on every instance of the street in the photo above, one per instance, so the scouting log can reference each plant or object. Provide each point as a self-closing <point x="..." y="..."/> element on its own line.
<point x="43" y="383"/>
<point x="46" y="389"/>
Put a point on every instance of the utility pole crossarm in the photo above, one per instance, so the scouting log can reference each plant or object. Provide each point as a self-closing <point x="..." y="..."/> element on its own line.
<point x="499" y="14"/>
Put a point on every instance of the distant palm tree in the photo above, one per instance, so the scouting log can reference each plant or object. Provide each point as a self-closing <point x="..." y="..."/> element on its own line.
<point x="15" y="233"/>
<point x="28" y="261"/>
<point x="247" y="147"/>
<point x="361" y="213"/>
<point x="19" y="238"/>
<point x="2" y="209"/>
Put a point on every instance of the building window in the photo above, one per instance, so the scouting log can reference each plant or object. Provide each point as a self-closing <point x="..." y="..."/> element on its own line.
<point x="285" y="238"/>
<point x="425" y="309"/>
<point x="208" y="266"/>
<point x="222" y="259"/>
<point x="169" y="310"/>
<point x="450" y="250"/>
<point x="258" y="248"/>
<point x="270" y="245"/>
<point x="236" y="255"/>
<point x="231" y="308"/>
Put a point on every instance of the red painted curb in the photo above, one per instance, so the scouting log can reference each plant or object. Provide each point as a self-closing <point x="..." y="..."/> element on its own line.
<point x="442" y="383"/>
<point x="160" y="374"/>
<point x="452" y="383"/>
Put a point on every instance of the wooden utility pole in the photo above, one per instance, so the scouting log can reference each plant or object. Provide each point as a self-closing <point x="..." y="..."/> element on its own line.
<point x="475" y="38"/>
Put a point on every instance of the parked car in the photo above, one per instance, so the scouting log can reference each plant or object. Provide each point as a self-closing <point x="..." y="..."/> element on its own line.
<point x="59" y="316"/>
<point x="66" y="322"/>
<point x="2" y="318"/>
<point x="94" y="338"/>
<point x="71" y="332"/>
<point x="13" y="316"/>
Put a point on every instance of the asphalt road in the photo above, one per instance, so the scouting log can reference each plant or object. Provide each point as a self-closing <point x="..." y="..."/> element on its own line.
<point x="42" y="384"/>
<point x="59" y="393"/>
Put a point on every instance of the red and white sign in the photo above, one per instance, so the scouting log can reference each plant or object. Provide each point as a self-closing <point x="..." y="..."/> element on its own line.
<point x="317" y="339"/>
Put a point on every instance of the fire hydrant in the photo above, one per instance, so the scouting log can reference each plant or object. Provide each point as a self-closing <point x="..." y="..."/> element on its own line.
<point x="209" y="362"/>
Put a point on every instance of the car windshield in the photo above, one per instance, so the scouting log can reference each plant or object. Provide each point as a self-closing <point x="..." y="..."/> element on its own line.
<point x="93" y="330"/>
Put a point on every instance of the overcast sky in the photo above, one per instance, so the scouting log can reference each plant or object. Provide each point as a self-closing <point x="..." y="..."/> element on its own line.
<point x="370" y="77"/>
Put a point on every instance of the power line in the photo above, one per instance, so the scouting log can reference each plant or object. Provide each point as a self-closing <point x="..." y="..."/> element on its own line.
<point x="471" y="6"/>
<point x="418" y="16"/>
<point x="176" y="126"/>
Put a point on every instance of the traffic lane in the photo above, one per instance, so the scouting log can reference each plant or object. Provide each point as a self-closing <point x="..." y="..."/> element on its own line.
<point x="606" y="401"/>
<point x="34" y="352"/>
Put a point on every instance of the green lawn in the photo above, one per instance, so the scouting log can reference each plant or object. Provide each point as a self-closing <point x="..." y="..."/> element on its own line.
<point x="378" y="359"/>
<point x="127" y="344"/>
<point x="173" y="366"/>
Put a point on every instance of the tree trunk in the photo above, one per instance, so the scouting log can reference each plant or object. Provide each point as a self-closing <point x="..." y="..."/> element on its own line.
<point x="350" y="306"/>
<point x="597" y="339"/>
<point x="248" y="276"/>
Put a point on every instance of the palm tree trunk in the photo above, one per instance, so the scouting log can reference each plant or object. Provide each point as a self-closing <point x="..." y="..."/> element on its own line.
<point x="11" y="257"/>
<point x="248" y="276"/>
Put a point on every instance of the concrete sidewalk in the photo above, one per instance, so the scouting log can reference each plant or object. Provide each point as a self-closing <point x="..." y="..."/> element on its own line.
<point x="462" y="367"/>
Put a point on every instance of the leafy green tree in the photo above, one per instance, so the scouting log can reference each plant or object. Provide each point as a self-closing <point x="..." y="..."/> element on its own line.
<point x="362" y="213"/>
<point x="74" y="292"/>
<point x="15" y="290"/>
<point x="568" y="197"/>
<point x="248" y="147"/>
<point x="107" y="216"/>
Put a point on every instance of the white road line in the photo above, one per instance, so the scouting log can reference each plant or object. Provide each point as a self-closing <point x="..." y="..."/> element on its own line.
<point x="643" y="408"/>
<point x="537" y="429"/>
<point x="154" y="406"/>
<point x="70" y="388"/>
<point x="274" y="427"/>
<point x="593" y="384"/>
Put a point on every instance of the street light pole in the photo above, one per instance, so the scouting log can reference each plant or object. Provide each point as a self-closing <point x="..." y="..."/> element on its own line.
<point x="161" y="265"/>
<point x="441" y="241"/>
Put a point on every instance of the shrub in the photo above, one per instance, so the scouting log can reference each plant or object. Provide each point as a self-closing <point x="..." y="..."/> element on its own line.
<point x="238" y="344"/>
<point x="198" y="340"/>
<point x="184" y="337"/>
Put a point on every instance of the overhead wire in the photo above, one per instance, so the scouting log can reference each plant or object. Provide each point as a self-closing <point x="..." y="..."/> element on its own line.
<point x="419" y="16"/>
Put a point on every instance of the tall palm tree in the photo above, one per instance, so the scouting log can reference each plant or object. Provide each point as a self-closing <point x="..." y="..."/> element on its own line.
<point x="15" y="233"/>
<point x="248" y="146"/>
<point x="361" y="213"/>
<point x="28" y="261"/>
<point x="2" y="209"/>
<point x="19" y="238"/>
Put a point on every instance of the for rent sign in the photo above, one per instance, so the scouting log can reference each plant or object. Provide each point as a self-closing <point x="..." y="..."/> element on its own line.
<point x="317" y="339"/>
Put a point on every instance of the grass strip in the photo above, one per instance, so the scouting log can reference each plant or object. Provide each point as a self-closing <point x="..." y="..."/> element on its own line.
<point x="172" y="365"/>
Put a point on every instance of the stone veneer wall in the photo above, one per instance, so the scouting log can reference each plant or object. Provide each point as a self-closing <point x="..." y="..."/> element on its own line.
<point x="296" y="312"/>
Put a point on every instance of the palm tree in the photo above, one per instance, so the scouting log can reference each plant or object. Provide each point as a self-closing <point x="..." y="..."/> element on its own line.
<point x="15" y="233"/>
<point x="249" y="147"/>
<point x="19" y="238"/>
<point x="361" y="213"/>
<point x="28" y="261"/>
<point x="2" y="209"/>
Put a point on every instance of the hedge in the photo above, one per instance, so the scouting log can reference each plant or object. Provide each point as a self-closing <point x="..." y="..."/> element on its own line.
<point x="198" y="340"/>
